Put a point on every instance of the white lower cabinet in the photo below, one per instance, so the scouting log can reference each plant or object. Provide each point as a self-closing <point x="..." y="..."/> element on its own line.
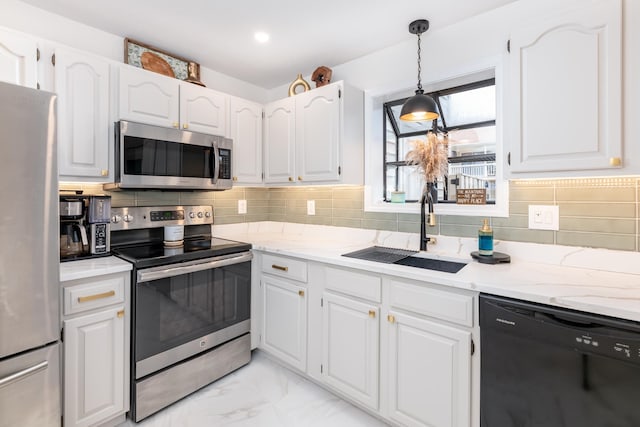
<point x="400" y="349"/>
<point x="284" y="322"/>
<point x="96" y="349"/>
<point x="94" y="367"/>
<point x="350" y="339"/>
<point x="428" y="372"/>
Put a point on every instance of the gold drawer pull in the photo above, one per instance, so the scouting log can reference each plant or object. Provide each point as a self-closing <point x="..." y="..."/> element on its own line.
<point x="301" y="293"/>
<point x="97" y="296"/>
<point x="391" y="318"/>
<point x="299" y="178"/>
<point x="372" y="314"/>
<point x="615" y="161"/>
<point x="279" y="267"/>
<point x="290" y="179"/>
<point x="176" y="124"/>
<point x="120" y="314"/>
<point x="104" y="172"/>
<point x="185" y="126"/>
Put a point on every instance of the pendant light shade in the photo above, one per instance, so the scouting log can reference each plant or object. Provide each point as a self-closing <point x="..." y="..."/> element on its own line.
<point x="419" y="107"/>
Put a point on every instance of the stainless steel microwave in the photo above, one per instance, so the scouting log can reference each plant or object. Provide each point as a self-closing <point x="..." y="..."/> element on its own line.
<point x="154" y="157"/>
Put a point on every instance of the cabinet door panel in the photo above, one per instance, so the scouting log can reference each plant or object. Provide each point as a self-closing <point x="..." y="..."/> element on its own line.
<point x="429" y="375"/>
<point x="94" y="361"/>
<point x="350" y="348"/>
<point x="318" y="134"/>
<point x="18" y="60"/>
<point x="246" y="133"/>
<point x="149" y="98"/>
<point x="566" y="91"/>
<point x="284" y="323"/>
<point x="203" y="110"/>
<point x="279" y="140"/>
<point x="82" y="84"/>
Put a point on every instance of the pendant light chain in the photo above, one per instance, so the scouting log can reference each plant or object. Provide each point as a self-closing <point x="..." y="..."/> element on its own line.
<point x="419" y="64"/>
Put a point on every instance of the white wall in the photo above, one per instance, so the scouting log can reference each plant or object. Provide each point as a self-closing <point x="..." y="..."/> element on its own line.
<point x="45" y="25"/>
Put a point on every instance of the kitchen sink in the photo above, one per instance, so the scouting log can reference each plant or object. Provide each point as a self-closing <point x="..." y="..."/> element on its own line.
<point x="405" y="257"/>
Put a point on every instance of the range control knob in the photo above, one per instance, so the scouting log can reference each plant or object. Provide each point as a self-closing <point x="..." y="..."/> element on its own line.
<point x="192" y="215"/>
<point x="207" y="214"/>
<point x="128" y="218"/>
<point x="199" y="214"/>
<point x="116" y="219"/>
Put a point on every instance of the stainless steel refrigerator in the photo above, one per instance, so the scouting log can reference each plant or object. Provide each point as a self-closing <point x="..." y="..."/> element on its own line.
<point x="29" y="259"/>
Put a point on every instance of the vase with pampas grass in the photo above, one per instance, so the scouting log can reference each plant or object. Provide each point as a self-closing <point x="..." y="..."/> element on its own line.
<point x="431" y="157"/>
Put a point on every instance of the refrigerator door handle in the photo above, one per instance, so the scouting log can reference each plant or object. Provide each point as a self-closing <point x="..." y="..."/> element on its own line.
<point x="18" y="376"/>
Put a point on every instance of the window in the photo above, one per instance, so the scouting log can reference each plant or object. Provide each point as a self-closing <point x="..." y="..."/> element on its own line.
<point x="468" y="119"/>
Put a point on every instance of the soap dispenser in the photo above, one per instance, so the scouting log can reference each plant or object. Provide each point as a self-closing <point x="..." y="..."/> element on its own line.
<point x="485" y="239"/>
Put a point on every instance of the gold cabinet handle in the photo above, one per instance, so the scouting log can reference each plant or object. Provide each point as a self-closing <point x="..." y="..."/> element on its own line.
<point x="176" y="125"/>
<point x="391" y="318"/>
<point x="290" y="179"/>
<point x="615" y="161"/>
<point x="185" y="126"/>
<point x="120" y="314"/>
<point x="299" y="178"/>
<point x="104" y="172"/>
<point x="301" y="293"/>
<point x="97" y="296"/>
<point x="235" y="178"/>
<point x="372" y="314"/>
<point x="279" y="267"/>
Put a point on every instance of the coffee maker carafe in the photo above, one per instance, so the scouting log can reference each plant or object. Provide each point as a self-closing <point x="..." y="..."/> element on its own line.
<point x="74" y="242"/>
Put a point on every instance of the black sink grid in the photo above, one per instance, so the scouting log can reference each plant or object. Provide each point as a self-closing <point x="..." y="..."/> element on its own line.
<point x="404" y="257"/>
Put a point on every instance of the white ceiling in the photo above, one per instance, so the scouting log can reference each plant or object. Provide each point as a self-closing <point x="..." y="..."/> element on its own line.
<point x="304" y="34"/>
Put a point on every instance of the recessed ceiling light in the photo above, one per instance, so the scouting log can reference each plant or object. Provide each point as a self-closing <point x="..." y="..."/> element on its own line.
<point x="261" y="37"/>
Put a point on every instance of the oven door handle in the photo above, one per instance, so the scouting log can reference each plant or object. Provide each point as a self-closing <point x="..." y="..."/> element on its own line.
<point x="151" y="274"/>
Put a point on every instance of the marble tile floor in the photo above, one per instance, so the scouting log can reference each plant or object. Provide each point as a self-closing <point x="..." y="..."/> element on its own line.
<point x="261" y="394"/>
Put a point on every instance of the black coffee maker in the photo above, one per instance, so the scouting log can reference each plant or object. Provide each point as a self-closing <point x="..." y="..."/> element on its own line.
<point x="84" y="226"/>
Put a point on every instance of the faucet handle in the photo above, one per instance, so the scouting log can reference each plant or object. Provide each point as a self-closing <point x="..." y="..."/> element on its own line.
<point x="432" y="219"/>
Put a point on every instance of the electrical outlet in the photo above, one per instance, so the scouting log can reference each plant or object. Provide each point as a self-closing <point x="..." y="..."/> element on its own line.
<point x="242" y="206"/>
<point x="544" y="217"/>
<point x="311" y="207"/>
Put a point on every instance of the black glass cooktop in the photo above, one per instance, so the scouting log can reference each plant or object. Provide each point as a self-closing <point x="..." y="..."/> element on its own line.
<point x="157" y="253"/>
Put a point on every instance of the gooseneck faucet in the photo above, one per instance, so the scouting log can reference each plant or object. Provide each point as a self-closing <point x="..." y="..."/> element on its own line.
<point x="426" y="199"/>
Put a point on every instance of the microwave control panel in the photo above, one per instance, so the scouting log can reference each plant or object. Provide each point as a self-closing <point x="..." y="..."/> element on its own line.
<point x="225" y="164"/>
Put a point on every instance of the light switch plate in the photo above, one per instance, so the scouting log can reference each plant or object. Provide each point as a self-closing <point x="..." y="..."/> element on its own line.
<point x="311" y="207"/>
<point x="544" y="217"/>
<point x="242" y="206"/>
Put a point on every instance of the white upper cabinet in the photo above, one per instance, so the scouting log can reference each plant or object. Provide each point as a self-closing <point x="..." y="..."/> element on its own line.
<point x="245" y="129"/>
<point x="154" y="99"/>
<point x="203" y="110"/>
<point x="307" y="137"/>
<point x="18" y="59"/>
<point x="564" y="96"/>
<point x="318" y="130"/>
<point x="279" y="141"/>
<point x="149" y="98"/>
<point x="82" y="85"/>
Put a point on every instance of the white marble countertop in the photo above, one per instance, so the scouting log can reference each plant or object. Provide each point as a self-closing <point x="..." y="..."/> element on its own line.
<point x="593" y="280"/>
<point x="92" y="267"/>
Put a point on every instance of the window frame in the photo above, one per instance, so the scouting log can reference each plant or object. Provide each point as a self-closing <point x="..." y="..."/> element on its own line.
<point x="388" y="114"/>
<point x="374" y="158"/>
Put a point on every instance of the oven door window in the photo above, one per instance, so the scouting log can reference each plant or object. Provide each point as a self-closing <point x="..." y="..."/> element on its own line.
<point x="179" y="309"/>
<point x="143" y="156"/>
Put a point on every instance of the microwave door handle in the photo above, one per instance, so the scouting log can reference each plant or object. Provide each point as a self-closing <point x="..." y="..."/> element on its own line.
<point x="216" y="163"/>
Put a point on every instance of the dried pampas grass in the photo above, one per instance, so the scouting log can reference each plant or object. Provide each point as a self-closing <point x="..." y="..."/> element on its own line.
<point x="431" y="156"/>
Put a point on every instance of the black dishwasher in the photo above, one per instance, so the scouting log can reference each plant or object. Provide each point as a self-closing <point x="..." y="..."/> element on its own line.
<point x="543" y="366"/>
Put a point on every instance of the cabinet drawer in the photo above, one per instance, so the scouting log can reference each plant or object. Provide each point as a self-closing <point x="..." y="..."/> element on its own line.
<point x="97" y="293"/>
<point x="285" y="267"/>
<point x="451" y="306"/>
<point x="354" y="283"/>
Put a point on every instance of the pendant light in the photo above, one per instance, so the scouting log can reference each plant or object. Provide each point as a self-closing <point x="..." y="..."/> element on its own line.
<point x="419" y="107"/>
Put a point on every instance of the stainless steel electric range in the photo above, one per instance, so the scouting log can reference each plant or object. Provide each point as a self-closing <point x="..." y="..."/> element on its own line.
<point x="190" y="300"/>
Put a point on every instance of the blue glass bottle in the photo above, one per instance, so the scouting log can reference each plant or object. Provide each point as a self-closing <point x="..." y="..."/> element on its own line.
<point x="485" y="239"/>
